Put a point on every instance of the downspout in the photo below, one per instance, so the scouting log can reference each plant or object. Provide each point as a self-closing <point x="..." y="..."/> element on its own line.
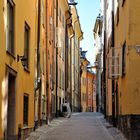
<point x="113" y="81"/>
<point x="87" y="90"/>
<point x="66" y="57"/>
<point x="38" y="63"/>
<point x="79" y="77"/>
<point x="47" y="100"/>
<point x="74" y="63"/>
<point x="56" y="105"/>
<point x="104" y="61"/>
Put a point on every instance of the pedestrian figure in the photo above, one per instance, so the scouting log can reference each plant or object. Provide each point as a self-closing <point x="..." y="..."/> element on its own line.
<point x="66" y="111"/>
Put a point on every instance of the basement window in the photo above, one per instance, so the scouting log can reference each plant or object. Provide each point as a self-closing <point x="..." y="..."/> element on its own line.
<point x="25" y="111"/>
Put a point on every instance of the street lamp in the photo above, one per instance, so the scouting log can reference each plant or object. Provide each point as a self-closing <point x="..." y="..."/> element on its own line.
<point x="72" y="2"/>
<point x="23" y="59"/>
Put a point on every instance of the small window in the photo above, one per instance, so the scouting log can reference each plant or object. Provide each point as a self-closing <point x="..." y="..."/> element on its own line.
<point x="124" y="60"/>
<point x="60" y="78"/>
<point x="60" y="14"/>
<point x="43" y="14"/>
<point x="63" y="21"/>
<point x="26" y="45"/>
<point x="117" y="16"/>
<point x="10" y="27"/>
<point x="25" y="111"/>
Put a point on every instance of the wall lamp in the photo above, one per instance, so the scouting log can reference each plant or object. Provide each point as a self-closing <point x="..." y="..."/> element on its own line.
<point x="72" y="2"/>
<point x="22" y="58"/>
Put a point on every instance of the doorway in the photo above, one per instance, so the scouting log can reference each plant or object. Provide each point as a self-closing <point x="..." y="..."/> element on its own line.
<point x="11" y="134"/>
<point x="117" y="103"/>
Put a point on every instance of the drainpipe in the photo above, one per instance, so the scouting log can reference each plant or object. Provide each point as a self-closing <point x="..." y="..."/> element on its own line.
<point x="86" y="91"/>
<point x="56" y="105"/>
<point x="113" y="81"/>
<point x="67" y="25"/>
<point x="79" y="77"/>
<point x="71" y="71"/>
<point x="38" y="63"/>
<point x="74" y="62"/>
<point x="104" y="61"/>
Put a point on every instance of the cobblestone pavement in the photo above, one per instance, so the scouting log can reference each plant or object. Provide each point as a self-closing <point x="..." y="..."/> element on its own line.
<point x="81" y="126"/>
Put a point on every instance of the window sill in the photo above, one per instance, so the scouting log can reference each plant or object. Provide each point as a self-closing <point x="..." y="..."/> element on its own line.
<point x="10" y="54"/>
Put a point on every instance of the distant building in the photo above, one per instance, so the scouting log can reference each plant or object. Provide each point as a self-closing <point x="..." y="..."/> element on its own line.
<point x="99" y="60"/>
<point x="83" y="74"/>
<point x="75" y="59"/>
<point x="91" y="94"/>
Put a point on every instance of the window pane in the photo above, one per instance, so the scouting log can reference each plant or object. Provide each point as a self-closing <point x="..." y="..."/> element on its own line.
<point x="25" y="117"/>
<point x="10" y="27"/>
<point x="26" y="45"/>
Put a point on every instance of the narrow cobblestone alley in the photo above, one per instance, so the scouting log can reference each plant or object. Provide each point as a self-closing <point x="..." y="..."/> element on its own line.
<point x="81" y="126"/>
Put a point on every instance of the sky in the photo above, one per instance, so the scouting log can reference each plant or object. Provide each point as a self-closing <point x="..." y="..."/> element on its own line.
<point x="88" y="10"/>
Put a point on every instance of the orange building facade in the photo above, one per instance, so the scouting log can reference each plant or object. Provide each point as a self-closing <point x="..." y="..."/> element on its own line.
<point x="91" y="105"/>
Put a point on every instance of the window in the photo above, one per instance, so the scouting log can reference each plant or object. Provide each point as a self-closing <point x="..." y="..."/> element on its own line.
<point x="10" y="27"/>
<point x="63" y="80"/>
<point x="124" y="59"/>
<point x="60" y="14"/>
<point x="25" y="111"/>
<point x="43" y="62"/>
<point x="63" y="21"/>
<point x="59" y="77"/>
<point x="117" y="16"/>
<point x="26" y="44"/>
<point x="43" y="14"/>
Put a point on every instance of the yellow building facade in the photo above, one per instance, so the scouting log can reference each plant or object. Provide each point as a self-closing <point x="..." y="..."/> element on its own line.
<point x="63" y="7"/>
<point x="125" y="86"/>
<point x="17" y="63"/>
<point x="84" y="96"/>
<point x="78" y="36"/>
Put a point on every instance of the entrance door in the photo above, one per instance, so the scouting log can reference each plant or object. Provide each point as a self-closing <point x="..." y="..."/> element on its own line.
<point x="11" y="108"/>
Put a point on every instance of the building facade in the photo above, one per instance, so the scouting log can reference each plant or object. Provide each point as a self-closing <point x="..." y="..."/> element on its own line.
<point x="97" y="31"/>
<point x="90" y="91"/>
<point x="122" y="65"/>
<point x="83" y="84"/>
<point x="75" y="59"/>
<point x="40" y="63"/>
<point x="18" y="44"/>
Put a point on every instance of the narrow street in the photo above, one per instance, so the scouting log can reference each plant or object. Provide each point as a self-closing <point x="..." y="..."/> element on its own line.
<point x="81" y="126"/>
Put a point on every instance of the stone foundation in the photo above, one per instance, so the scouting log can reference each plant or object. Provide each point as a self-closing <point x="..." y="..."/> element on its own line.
<point x="130" y="126"/>
<point x="25" y="133"/>
<point x="109" y="119"/>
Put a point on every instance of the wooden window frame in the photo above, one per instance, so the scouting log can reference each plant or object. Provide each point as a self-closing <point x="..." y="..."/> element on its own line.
<point x="25" y="117"/>
<point x="26" y="45"/>
<point x="124" y="59"/>
<point x="10" y="28"/>
<point x="60" y="14"/>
